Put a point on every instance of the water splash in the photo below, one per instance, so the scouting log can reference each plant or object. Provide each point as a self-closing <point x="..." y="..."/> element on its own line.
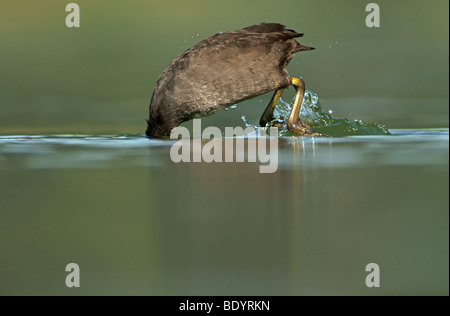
<point x="233" y="107"/>
<point x="320" y="120"/>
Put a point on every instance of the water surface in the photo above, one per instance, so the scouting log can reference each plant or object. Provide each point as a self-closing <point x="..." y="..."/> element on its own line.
<point x="137" y="223"/>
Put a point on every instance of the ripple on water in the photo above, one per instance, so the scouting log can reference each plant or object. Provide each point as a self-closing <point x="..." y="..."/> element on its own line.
<point x="415" y="147"/>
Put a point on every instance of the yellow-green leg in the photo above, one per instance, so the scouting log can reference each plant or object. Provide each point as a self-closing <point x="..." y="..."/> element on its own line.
<point x="295" y="125"/>
<point x="268" y="113"/>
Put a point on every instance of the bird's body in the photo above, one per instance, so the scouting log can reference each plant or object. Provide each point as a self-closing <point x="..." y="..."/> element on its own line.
<point x="220" y="71"/>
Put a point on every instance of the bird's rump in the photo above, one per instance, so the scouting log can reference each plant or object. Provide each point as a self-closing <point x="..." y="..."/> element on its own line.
<point x="222" y="70"/>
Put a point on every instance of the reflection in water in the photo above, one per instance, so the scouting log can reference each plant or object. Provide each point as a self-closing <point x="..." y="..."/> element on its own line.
<point x="139" y="224"/>
<point x="407" y="147"/>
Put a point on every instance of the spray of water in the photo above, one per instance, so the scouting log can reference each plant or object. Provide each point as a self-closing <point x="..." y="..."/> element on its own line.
<point x="320" y="120"/>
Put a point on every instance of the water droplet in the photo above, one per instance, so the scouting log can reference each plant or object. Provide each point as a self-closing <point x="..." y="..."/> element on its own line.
<point x="198" y="34"/>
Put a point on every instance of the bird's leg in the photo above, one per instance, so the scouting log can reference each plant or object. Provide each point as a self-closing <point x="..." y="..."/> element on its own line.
<point x="268" y="113"/>
<point x="295" y="125"/>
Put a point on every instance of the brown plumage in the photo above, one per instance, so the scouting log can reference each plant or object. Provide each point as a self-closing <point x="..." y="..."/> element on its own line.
<point x="220" y="71"/>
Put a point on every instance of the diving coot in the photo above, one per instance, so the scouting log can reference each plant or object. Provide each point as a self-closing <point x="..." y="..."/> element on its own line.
<point x="225" y="69"/>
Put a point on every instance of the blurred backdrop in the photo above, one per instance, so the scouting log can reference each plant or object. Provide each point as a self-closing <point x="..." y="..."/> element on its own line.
<point x="99" y="78"/>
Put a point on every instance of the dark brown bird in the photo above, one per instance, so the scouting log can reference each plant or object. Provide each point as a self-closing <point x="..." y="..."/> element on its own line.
<point x="225" y="69"/>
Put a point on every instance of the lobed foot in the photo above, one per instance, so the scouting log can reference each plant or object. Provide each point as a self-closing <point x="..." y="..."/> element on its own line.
<point x="302" y="129"/>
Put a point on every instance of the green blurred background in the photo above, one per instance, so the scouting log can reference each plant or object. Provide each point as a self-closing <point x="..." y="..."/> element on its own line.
<point x="99" y="78"/>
